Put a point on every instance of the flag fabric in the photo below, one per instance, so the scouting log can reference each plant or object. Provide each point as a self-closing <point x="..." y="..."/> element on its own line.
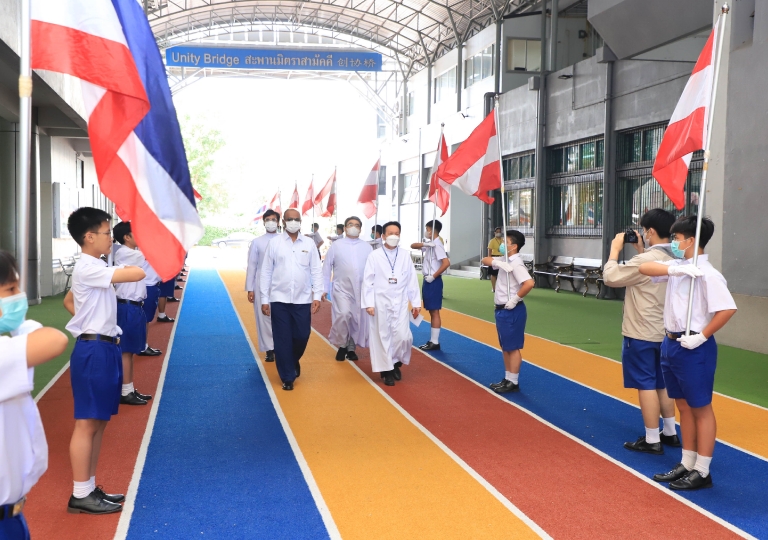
<point x="309" y="199"/>
<point x="330" y="204"/>
<point x="687" y="129"/>
<point x="323" y="193"/>
<point x="260" y="213"/>
<point x="369" y="195"/>
<point x="474" y="167"/>
<point x="294" y="202"/>
<point x="197" y="195"/>
<point x="274" y="204"/>
<point x="440" y="191"/>
<point x="132" y="126"/>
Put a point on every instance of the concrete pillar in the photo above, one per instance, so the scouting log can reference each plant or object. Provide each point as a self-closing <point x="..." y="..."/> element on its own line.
<point x="46" y="215"/>
<point x="609" y="174"/>
<point x="541" y="247"/>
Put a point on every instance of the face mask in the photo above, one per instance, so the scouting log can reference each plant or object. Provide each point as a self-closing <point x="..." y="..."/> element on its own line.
<point x="293" y="226"/>
<point x="353" y="231"/>
<point x="393" y="240"/>
<point x="271" y="226"/>
<point x="503" y="249"/>
<point x="676" y="251"/>
<point x="14" y="310"/>
<point x="371" y="236"/>
<point x="498" y="235"/>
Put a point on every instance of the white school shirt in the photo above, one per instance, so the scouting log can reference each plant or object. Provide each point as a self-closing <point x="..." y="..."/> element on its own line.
<point x="95" y="298"/>
<point x="292" y="272"/>
<point x="432" y="257"/>
<point x="516" y="277"/>
<point x="318" y="238"/>
<point x="152" y="278"/>
<point x="710" y="295"/>
<point x="23" y="449"/>
<point x="377" y="243"/>
<point x="135" y="290"/>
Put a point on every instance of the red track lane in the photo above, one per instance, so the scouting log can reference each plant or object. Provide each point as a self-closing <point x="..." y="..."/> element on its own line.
<point x="46" y="509"/>
<point x="568" y="490"/>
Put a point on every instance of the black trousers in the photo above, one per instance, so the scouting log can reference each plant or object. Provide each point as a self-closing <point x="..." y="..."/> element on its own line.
<point x="291" y="326"/>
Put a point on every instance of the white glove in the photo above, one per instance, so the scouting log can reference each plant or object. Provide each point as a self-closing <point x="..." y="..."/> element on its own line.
<point x="27" y="327"/>
<point x="501" y="265"/>
<point x="692" y="341"/>
<point x="513" y="302"/>
<point x="429" y="279"/>
<point x="428" y="244"/>
<point x="685" y="270"/>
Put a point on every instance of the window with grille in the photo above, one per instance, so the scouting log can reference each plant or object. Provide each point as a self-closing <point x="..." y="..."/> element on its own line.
<point x="519" y="172"/>
<point x="478" y="67"/>
<point x="445" y="85"/>
<point x="410" y="188"/>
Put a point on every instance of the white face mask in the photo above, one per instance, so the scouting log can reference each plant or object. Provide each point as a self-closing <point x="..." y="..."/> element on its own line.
<point x="353" y="232"/>
<point x="498" y="235"/>
<point x="271" y="226"/>
<point x="392" y="240"/>
<point x="293" y="226"/>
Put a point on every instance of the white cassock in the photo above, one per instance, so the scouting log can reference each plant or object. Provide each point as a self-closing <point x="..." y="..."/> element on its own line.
<point x="389" y="283"/>
<point x="256" y="255"/>
<point x="346" y="258"/>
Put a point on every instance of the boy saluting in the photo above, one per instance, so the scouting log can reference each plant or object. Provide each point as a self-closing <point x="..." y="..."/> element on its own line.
<point x="689" y="362"/>
<point x="95" y="366"/>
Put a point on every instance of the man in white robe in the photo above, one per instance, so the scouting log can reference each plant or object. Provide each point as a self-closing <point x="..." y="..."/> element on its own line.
<point x="252" y="277"/>
<point x="346" y="259"/>
<point x="389" y="283"/>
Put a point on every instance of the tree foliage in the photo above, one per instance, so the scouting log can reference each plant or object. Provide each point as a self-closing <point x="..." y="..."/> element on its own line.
<point x="201" y="144"/>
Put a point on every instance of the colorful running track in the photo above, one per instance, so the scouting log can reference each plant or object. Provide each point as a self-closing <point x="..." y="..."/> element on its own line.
<point x="227" y="454"/>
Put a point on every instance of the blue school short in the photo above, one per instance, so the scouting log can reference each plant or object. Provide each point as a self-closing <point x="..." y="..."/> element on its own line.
<point x="96" y="371"/>
<point x="689" y="374"/>
<point x="510" y="325"/>
<point x="641" y="364"/>
<point x="167" y="288"/>
<point x="150" y="302"/>
<point x="133" y="322"/>
<point x="432" y="294"/>
<point x="14" y="528"/>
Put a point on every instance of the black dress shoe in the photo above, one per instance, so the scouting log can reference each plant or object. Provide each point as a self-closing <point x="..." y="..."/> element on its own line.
<point x="675" y="474"/>
<point x="165" y="319"/>
<point x="288" y="385"/>
<point x="298" y="368"/>
<point x="178" y="287"/>
<point x="507" y="386"/>
<point x="270" y="356"/>
<point x="92" y="504"/>
<point x="149" y="351"/>
<point x="494" y="386"/>
<point x="640" y="445"/>
<point x="132" y="399"/>
<point x="389" y="378"/>
<point x="181" y="280"/>
<point x="145" y="397"/>
<point x="351" y="355"/>
<point x="341" y="354"/>
<point x="109" y="497"/>
<point x="172" y="299"/>
<point x="396" y="373"/>
<point x="670" y="440"/>
<point x="692" y="482"/>
<point x="429" y="346"/>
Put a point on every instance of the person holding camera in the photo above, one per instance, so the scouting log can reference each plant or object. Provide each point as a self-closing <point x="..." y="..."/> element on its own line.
<point x="643" y="326"/>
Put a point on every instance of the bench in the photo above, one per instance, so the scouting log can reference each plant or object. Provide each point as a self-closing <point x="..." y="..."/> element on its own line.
<point x="67" y="266"/>
<point x="592" y="272"/>
<point x="579" y="271"/>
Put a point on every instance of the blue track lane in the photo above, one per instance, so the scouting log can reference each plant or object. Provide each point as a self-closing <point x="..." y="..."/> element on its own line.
<point x="219" y="464"/>
<point x="740" y="494"/>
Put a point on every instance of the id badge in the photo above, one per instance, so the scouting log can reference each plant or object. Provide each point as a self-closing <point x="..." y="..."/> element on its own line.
<point x="393" y="281"/>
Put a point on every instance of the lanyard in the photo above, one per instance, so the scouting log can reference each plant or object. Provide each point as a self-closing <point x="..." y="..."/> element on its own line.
<point x="391" y="264"/>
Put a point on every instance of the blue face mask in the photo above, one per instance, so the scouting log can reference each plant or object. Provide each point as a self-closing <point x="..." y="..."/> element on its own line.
<point x="503" y="249"/>
<point x="676" y="251"/>
<point x="14" y="310"/>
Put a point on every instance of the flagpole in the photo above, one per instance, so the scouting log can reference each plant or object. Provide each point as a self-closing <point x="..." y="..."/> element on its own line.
<point x="431" y="174"/>
<point x="703" y="187"/>
<point x="503" y="192"/>
<point x="25" y="135"/>
<point x="336" y="201"/>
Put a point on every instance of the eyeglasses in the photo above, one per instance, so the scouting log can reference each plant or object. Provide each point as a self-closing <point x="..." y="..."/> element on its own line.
<point x="99" y="232"/>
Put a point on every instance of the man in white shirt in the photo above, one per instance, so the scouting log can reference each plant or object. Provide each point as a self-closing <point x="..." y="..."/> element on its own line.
<point x="346" y="260"/>
<point x="291" y="285"/>
<point x="434" y="261"/>
<point x="389" y="283"/>
<point x="256" y="254"/>
<point x="316" y="237"/>
<point x="376" y="241"/>
<point x="339" y="233"/>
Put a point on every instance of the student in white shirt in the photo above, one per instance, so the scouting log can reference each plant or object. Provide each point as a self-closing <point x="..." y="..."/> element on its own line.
<point x="256" y="253"/>
<point x="512" y="284"/>
<point x="376" y="241"/>
<point x="689" y="362"/>
<point x="339" y="233"/>
<point x="291" y="287"/>
<point x="95" y="366"/>
<point x="23" y="449"/>
<point x="434" y="262"/>
<point x="316" y="237"/>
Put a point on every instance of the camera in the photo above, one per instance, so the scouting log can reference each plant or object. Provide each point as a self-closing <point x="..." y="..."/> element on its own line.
<point x="630" y="237"/>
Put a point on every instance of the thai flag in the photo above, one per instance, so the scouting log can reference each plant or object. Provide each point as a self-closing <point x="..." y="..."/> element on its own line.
<point x="260" y="213"/>
<point x="132" y="125"/>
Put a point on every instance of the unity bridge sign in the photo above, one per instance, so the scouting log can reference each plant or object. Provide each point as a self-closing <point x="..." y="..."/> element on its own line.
<point x="225" y="57"/>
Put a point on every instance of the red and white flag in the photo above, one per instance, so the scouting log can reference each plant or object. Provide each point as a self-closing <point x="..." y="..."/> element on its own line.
<point x="687" y="129"/>
<point x="330" y="204"/>
<point x="274" y="204"/>
<point x="309" y="199"/>
<point x="294" y="202"/>
<point x="197" y="195"/>
<point x="323" y="193"/>
<point x="440" y="191"/>
<point x="474" y="167"/>
<point x="368" y="198"/>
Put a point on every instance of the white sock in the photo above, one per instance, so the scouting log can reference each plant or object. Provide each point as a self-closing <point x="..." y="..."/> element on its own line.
<point x="127" y="389"/>
<point x="689" y="459"/>
<point x="146" y="346"/>
<point x="652" y="435"/>
<point x="435" y="336"/>
<point x="669" y="426"/>
<point x="82" y="489"/>
<point x="702" y="465"/>
<point x="160" y="315"/>
<point x="513" y="377"/>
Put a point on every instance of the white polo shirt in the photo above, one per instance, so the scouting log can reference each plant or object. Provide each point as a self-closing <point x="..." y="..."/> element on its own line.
<point x="432" y="257"/>
<point x="135" y="290"/>
<point x="23" y="447"/>
<point x="516" y="277"/>
<point x="292" y="272"/>
<point x="95" y="298"/>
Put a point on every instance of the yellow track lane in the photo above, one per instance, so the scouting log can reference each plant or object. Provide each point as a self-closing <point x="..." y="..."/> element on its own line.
<point x="380" y="476"/>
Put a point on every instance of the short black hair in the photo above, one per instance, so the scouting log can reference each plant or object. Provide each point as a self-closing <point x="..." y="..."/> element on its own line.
<point x="339" y="227"/>
<point x="350" y="218"/>
<point x="9" y="270"/>
<point x="517" y="238"/>
<point x="120" y="230"/>
<point x="686" y="225"/>
<point x="391" y="223"/>
<point x="270" y="213"/>
<point x="377" y="228"/>
<point x="435" y="225"/>
<point x="85" y="220"/>
<point x="497" y="229"/>
<point x="659" y="220"/>
<point x="315" y="225"/>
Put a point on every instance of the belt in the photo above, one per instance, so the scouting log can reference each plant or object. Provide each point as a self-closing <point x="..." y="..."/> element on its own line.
<point x="99" y="337"/>
<point x="131" y="302"/>
<point x="503" y="306"/>
<point x="8" y="511"/>
<point x="676" y="335"/>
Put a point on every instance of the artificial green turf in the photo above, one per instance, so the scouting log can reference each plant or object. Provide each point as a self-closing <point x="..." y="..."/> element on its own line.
<point x="51" y="312"/>
<point x="595" y="326"/>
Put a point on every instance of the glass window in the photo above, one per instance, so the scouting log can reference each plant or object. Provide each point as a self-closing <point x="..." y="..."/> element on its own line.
<point x="651" y="142"/>
<point x="572" y="158"/>
<point x="512" y="208"/>
<point x="600" y="154"/>
<point x="445" y="85"/>
<point x="533" y="58"/>
<point x="487" y="68"/>
<point x="577" y="205"/>
<point x="518" y="56"/>
<point x="478" y="67"/>
<point x="514" y="169"/>
<point x="525" y="166"/>
<point x="557" y="160"/>
<point x="410" y="104"/>
<point x="410" y="188"/>
<point x="523" y="54"/>
<point x="520" y="208"/>
<point x="587" y="151"/>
